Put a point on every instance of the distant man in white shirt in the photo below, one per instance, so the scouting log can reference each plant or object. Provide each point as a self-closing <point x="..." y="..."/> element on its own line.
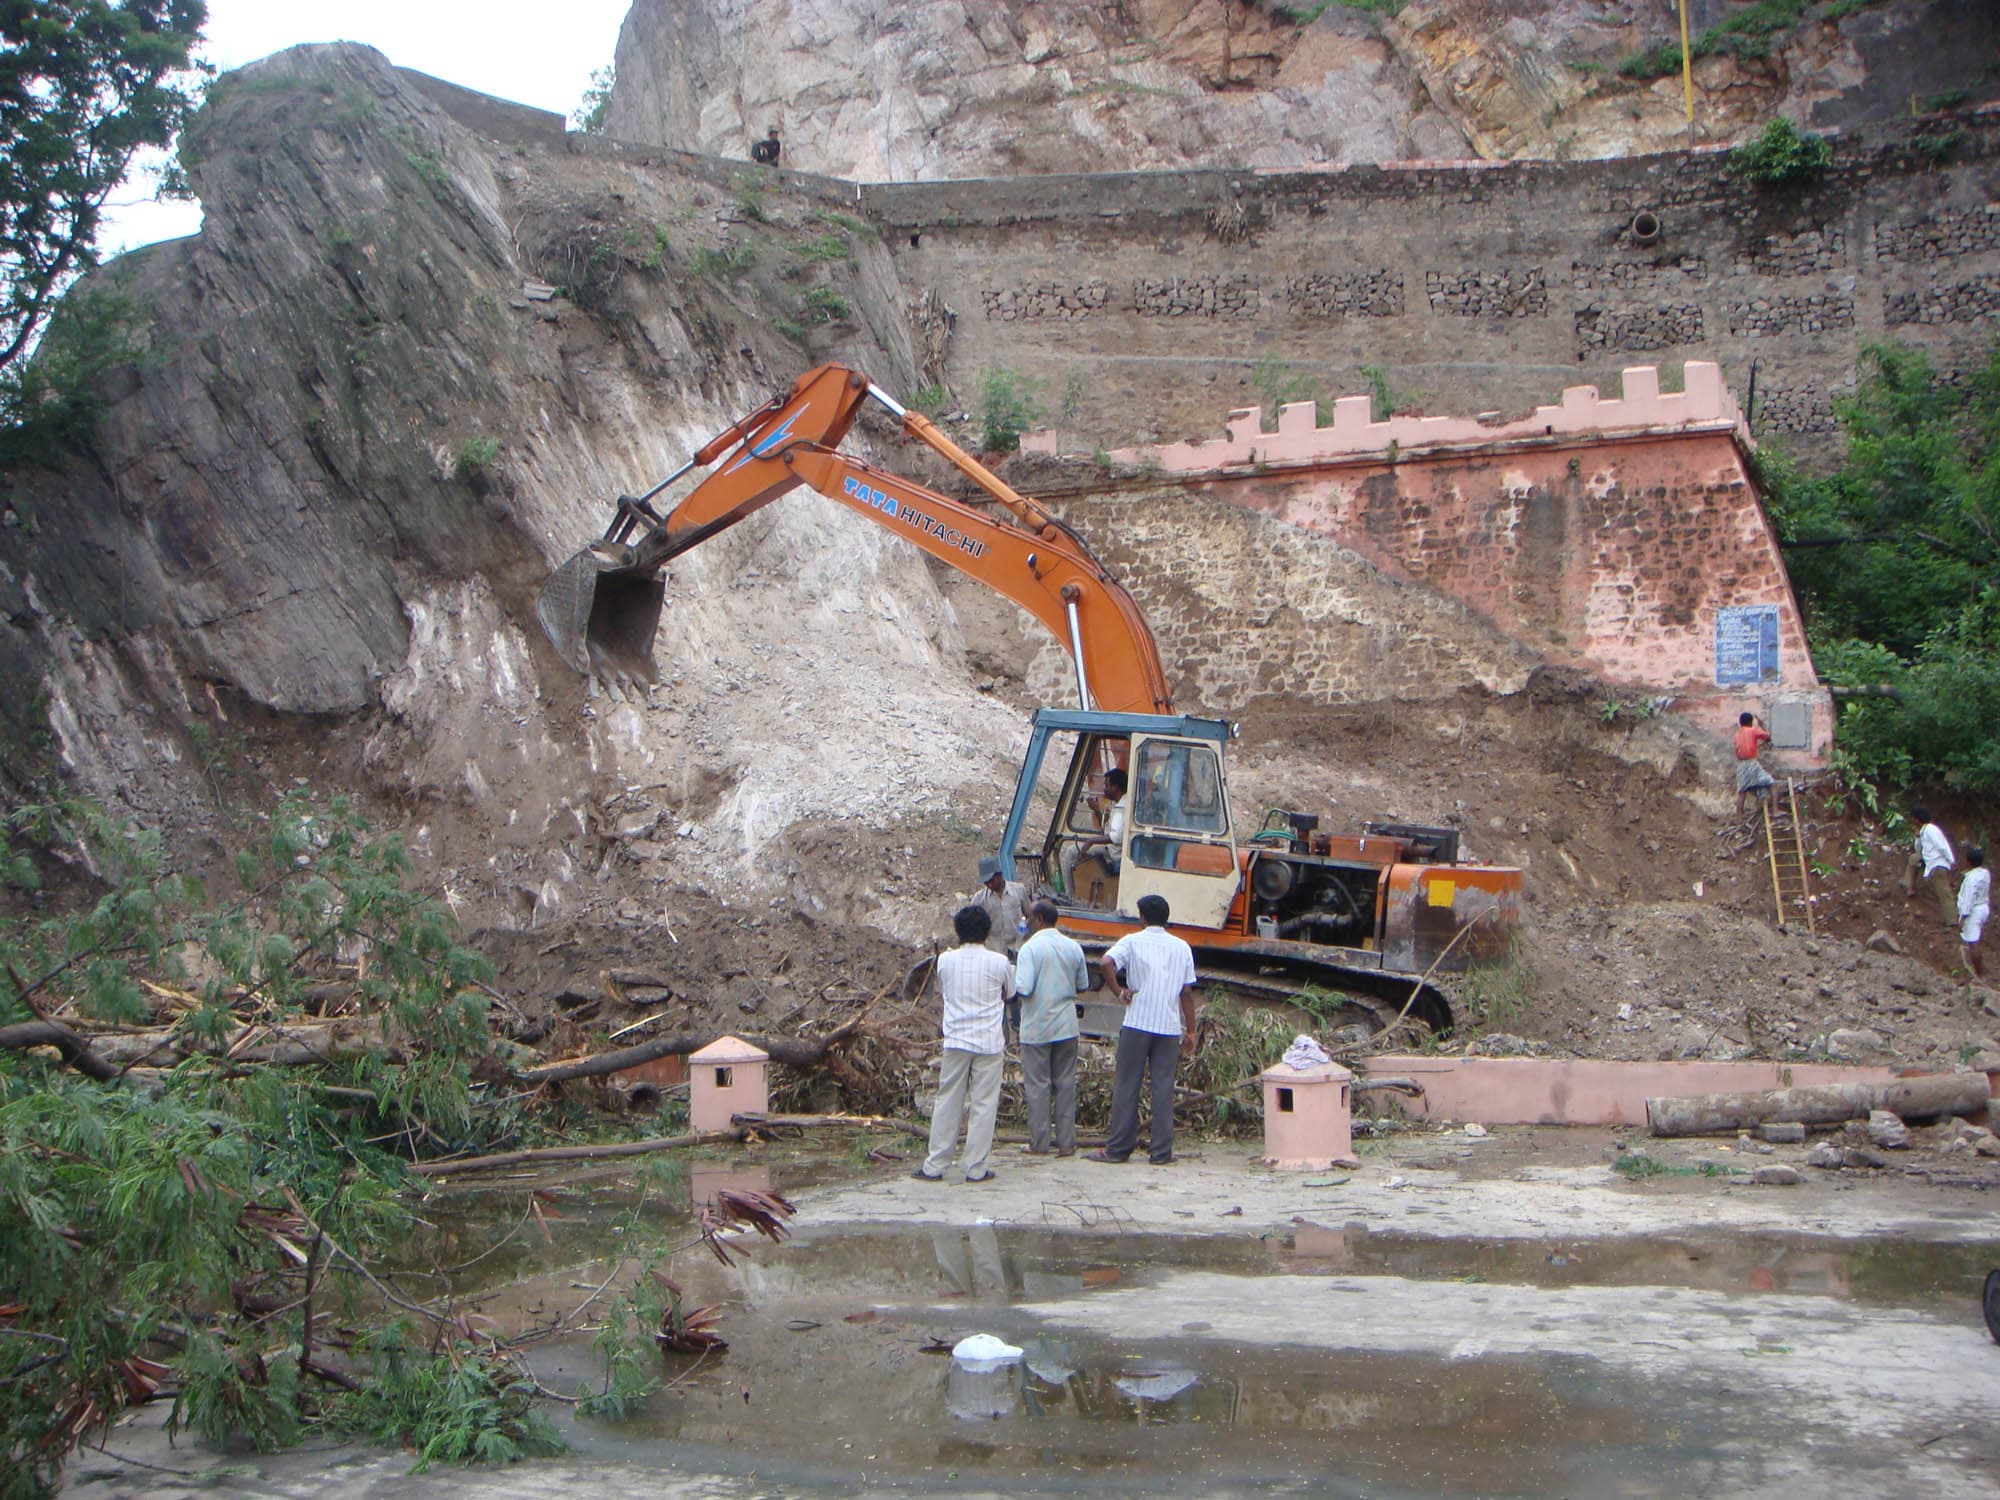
<point x="1975" y="904"/>
<point x="1049" y="974"/>
<point x="975" y="983"/>
<point x="1934" y="858"/>
<point x="1157" y="990"/>
<point x="1005" y="902"/>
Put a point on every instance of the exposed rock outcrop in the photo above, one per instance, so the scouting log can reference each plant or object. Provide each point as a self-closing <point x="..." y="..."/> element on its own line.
<point x="902" y="93"/>
<point x="322" y="499"/>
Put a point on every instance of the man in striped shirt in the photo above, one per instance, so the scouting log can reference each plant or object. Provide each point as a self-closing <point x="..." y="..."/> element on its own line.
<point x="975" y="983"/>
<point x="1151" y="972"/>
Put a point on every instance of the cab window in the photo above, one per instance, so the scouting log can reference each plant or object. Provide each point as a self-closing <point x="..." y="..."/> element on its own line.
<point x="1179" y="786"/>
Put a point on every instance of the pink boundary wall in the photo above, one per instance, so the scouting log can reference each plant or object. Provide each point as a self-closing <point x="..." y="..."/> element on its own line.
<point x="1705" y="405"/>
<point x="1577" y="1091"/>
<point x="1605" y="533"/>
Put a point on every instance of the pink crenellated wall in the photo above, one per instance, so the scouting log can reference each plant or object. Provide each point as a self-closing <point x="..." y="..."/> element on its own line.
<point x="1604" y="533"/>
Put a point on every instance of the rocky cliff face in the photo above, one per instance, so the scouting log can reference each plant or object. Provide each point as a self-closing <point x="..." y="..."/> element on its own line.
<point x="306" y="536"/>
<point x="884" y="92"/>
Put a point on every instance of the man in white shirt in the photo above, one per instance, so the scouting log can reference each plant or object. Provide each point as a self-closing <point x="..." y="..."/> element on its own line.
<point x="1050" y="972"/>
<point x="1109" y="841"/>
<point x="975" y="983"/>
<point x="1005" y="902"/>
<point x="1934" y="858"/>
<point x="1975" y="904"/>
<point x="1157" y="990"/>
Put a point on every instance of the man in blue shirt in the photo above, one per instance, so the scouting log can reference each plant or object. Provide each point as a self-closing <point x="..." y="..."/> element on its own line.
<point x="1049" y="972"/>
<point x="1156" y="986"/>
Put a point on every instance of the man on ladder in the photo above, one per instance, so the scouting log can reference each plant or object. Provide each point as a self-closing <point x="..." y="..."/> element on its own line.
<point x="1751" y="777"/>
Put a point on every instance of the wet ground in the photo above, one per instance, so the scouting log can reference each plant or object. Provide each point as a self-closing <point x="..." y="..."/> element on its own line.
<point x="1730" y="1345"/>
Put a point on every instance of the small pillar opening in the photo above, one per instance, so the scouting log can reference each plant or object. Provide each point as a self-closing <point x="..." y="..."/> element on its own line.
<point x="1285" y="1101"/>
<point x="722" y="1077"/>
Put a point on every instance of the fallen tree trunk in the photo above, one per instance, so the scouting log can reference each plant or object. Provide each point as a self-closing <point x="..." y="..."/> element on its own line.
<point x="794" y="1052"/>
<point x="1822" y="1104"/>
<point x="75" y="1049"/>
<point x="319" y="1041"/>
<point x="741" y="1126"/>
<point x="543" y="1154"/>
<point x="751" y="1121"/>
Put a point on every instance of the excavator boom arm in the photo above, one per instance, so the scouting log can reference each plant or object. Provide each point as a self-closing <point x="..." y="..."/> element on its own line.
<point x="1026" y="554"/>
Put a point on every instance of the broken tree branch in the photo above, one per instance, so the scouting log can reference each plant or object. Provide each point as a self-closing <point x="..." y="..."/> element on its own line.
<point x="1823" y="1104"/>
<point x="793" y="1052"/>
<point x="75" y="1051"/>
<point x="464" y="1164"/>
<point x="752" y="1121"/>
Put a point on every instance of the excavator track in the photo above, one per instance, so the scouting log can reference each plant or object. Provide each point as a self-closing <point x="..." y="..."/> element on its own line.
<point x="1367" y="1011"/>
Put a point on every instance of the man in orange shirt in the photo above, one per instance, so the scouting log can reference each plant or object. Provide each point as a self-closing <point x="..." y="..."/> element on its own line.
<point x="1751" y="777"/>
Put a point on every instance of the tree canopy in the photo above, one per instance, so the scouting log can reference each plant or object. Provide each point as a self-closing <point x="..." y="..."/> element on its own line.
<point x="1896" y="559"/>
<point x="85" y="85"/>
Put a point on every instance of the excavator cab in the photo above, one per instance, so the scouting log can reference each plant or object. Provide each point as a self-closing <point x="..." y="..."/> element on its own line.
<point x="1177" y="838"/>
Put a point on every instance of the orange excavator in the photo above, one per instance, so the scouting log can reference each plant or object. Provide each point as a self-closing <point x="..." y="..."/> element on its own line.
<point x="1270" y="911"/>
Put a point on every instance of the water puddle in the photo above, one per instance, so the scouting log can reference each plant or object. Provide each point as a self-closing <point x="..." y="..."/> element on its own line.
<point x="839" y="1368"/>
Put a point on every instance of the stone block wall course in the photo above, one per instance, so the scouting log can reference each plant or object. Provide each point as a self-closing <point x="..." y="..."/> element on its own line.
<point x="1474" y="286"/>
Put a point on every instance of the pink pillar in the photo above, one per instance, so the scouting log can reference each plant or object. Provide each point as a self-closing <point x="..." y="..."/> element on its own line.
<point x="1308" y="1116"/>
<point x="727" y="1077"/>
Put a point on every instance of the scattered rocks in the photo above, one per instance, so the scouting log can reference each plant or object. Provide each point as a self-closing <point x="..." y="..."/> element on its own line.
<point x="1855" y="1156"/>
<point x="1887" y="1130"/>
<point x="1782" y="1132"/>
<point x="1853" y="1043"/>
<point x="1777" y="1175"/>
<point x="1826" y="1155"/>
<point x="1881" y="942"/>
<point x="1506" y="1044"/>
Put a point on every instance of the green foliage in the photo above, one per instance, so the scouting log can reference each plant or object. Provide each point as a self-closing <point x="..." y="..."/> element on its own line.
<point x="430" y="166"/>
<point x="822" y="304"/>
<point x="1747" y="33"/>
<point x="732" y="261"/>
<point x="1496" y="993"/>
<point x="931" y="400"/>
<point x="847" y="223"/>
<point x="823" y="247"/>
<point x="588" y="116"/>
<point x="182" y="1232"/>
<point x="49" y="402"/>
<point x="87" y="85"/>
<point x="1781" y="153"/>
<point x="461" y="1406"/>
<point x="1384" y="400"/>
<point x="1637" y="1166"/>
<point x="1007" y="408"/>
<point x="750" y="188"/>
<point x="1076" y="386"/>
<point x="1896" y="557"/>
<point x="648" y="246"/>
<point x="477" y="455"/>
<point x="1378" y="7"/>
<point x="1279" y="384"/>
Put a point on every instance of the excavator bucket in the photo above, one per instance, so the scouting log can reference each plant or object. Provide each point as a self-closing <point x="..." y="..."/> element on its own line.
<point x="602" y="621"/>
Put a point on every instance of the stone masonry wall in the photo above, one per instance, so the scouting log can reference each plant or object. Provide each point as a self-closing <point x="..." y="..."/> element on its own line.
<point x="1149" y="304"/>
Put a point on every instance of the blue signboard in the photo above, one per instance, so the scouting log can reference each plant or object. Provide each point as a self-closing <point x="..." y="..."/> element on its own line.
<point x="1746" y="644"/>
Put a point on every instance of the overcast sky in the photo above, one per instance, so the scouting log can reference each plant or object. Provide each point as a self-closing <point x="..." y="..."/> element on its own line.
<point x="526" y="50"/>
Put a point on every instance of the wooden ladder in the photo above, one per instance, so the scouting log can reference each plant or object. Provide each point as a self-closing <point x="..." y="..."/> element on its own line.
<point x="1785" y="845"/>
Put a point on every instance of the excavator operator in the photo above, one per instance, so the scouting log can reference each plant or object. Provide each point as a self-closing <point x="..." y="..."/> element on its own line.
<point x="1110" y="810"/>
